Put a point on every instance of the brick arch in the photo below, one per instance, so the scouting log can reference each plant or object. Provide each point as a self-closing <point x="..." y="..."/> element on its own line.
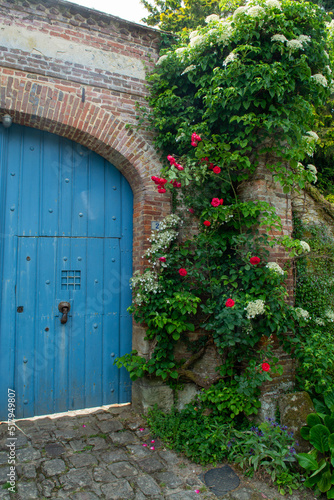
<point x="48" y="107"/>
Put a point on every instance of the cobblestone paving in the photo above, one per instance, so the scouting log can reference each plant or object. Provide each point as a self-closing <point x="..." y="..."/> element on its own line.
<point x="107" y="453"/>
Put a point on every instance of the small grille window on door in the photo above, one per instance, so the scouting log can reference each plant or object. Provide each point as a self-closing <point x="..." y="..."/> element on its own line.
<point x="70" y="280"/>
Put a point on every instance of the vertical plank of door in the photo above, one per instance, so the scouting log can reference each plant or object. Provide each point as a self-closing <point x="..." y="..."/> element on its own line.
<point x="50" y="184"/>
<point x="76" y="326"/>
<point x="125" y="290"/>
<point x="95" y="296"/>
<point x="94" y="199"/>
<point x="62" y="338"/>
<point x="45" y="326"/>
<point x="112" y="196"/>
<point x="65" y="187"/>
<point x="29" y="220"/>
<point x="10" y="157"/>
<point x="80" y="193"/>
<point x="25" y="348"/>
<point x="111" y="330"/>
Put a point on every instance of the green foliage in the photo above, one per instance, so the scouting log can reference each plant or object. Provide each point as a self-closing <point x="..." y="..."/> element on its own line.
<point x="177" y="16"/>
<point x="235" y="85"/>
<point x="315" y="294"/>
<point x="270" y="448"/>
<point x="319" y="462"/>
<point x="200" y="437"/>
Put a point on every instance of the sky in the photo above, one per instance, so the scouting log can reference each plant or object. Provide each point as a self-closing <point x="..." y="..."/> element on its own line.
<point x="132" y="10"/>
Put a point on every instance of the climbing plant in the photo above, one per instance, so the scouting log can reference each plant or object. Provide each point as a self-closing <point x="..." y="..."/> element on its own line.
<point x="231" y="94"/>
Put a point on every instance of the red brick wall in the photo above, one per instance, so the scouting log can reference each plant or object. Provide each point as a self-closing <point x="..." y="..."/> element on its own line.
<point x="90" y="103"/>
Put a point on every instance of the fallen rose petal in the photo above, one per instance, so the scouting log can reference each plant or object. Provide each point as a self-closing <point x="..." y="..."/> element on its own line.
<point x="152" y="448"/>
<point x="144" y="444"/>
<point x="153" y="441"/>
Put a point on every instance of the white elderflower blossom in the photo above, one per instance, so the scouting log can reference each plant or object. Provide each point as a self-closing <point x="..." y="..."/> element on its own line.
<point x="196" y="40"/>
<point x="321" y="79"/>
<point x="294" y="44"/>
<point x="230" y="58"/>
<point x="330" y="315"/>
<point x="163" y="237"/>
<point x="304" y="38"/>
<point x="273" y="266"/>
<point x="330" y="25"/>
<point x="181" y="51"/>
<point x="305" y="246"/>
<point x="255" y="308"/>
<point x="193" y="34"/>
<point x="144" y="284"/>
<point x="314" y="135"/>
<point x="239" y="11"/>
<point x="319" y="321"/>
<point x="212" y="18"/>
<point x="300" y="167"/>
<point x="161" y="59"/>
<point x="279" y="38"/>
<point x="274" y="4"/>
<point x="328" y="68"/>
<point x="312" y="169"/>
<point x="187" y="69"/>
<point x="256" y="11"/>
<point x="302" y="313"/>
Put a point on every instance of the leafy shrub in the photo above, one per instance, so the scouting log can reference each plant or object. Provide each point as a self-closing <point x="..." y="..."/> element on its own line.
<point x="319" y="462"/>
<point x="315" y="294"/>
<point x="200" y="437"/>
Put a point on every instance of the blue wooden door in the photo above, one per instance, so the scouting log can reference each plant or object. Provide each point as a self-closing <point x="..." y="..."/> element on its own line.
<point x="66" y="219"/>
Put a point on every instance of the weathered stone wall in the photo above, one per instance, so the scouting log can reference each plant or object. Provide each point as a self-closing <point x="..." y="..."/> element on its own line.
<point x="312" y="208"/>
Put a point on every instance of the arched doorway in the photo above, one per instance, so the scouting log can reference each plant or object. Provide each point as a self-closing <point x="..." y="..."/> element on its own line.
<point x="66" y="217"/>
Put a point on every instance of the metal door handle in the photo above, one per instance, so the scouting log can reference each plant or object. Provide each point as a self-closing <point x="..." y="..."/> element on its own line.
<point x="64" y="308"/>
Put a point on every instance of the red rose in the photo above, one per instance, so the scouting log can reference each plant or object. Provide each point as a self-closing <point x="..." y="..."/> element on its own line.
<point x="178" y="184"/>
<point x="254" y="260"/>
<point x="191" y="210"/>
<point x="162" y="181"/>
<point x="215" y="202"/>
<point x="171" y="159"/>
<point x="162" y="259"/>
<point x="229" y="303"/>
<point x="161" y="190"/>
<point x="207" y="223"/>
<point x="179" y="167"/>
<point x="211" y="165"/>
<point x="265" y="367"/>
<point x="221" y="201"/>
<point x="194" y="143"/>
<point x="216" y="170"/>
<point x="195" y="137"/>
<point x="182" y="272"/>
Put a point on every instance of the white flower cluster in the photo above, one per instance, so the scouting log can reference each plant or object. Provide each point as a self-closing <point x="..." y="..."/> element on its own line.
<point x="330" y="315"/>
<point x="321" y="79"/>
<point x="255" y="11"/>
<point x="273" y="266"/>
<point x="279" y="38"/>
<point x="313" y="135"/>
<point x="294" y="44"/>
<point x="302" y="313"/>
<point x="230" y="58"/>
<point x="212" y="18"/>
<point x="188" y="68"/>
<point x="319" y="321"/>
<point x="163" y="237"/>
<point x="255" y="308"/>
<point x="161" y="59"/>
<point x="312" y="169"/>
<point x="273" y="4"/>
<point x="143" y="284"/>
<point x="305" y="246"/>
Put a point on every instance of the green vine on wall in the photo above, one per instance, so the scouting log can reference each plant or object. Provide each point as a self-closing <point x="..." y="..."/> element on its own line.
<point x="230" y="95"/>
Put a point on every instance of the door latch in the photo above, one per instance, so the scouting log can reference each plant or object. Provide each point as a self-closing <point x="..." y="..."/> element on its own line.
<point x="64" y="308"/>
